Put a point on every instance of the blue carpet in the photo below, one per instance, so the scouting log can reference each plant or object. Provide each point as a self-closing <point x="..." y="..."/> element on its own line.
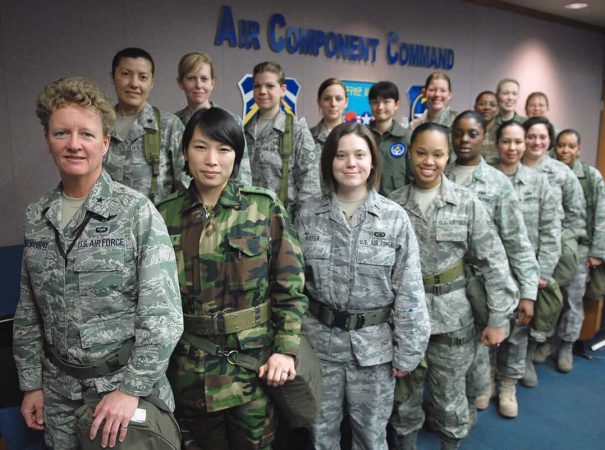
<point x="564" y="412"/>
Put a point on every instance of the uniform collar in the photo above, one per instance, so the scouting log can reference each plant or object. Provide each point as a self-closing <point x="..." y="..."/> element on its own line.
<point x="229" y="198"/>
<point x="101" y="202"/>
<point x="395" y="130"/>
<point x="145" y="121"/>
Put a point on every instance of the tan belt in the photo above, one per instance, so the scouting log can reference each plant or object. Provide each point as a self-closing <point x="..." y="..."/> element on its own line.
<point x="228" y="322"/>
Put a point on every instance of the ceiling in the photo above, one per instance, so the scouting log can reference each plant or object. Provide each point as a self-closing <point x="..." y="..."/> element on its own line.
<point x="593" y="15"/>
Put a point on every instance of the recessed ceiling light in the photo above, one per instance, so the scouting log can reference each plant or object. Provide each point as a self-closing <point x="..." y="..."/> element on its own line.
<point x="576" y="5"/>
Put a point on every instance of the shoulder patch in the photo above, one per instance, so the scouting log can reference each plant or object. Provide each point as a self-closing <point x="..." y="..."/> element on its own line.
<point x="397" y="150"/>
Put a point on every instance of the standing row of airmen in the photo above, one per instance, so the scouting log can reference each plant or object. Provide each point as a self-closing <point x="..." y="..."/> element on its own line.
<point x="381" y="296"/>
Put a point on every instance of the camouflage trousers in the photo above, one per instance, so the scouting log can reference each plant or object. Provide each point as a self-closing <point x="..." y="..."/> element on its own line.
<point x="511" y="354"/>
<point x="367" y="395"/>
<point x="59" y="419"/>
<point x="508" y="360"/>
<point x="570" y="323"/>
<point x="477" y="377"/>
<point x="246" y="427"/>
<point x="445" y="377"/>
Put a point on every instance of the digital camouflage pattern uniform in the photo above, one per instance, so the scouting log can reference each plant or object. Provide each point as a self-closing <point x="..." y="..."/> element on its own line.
<point x="244" y="254"/>
<point x="593" y="244"/>
<point x="567" y="189"/>
<point x="393" y="145"/>
<point x="540" y="213"/>
<point x="125" y="161"/>
<point x="266" y="163"/>
<point x="118" y="282"/>
<point x="455" y="227"/>
<point x="500" y="201"/>
<point x="243" y="175"/>
<point x="320" y="134"/>
<point x="368" y="263"/>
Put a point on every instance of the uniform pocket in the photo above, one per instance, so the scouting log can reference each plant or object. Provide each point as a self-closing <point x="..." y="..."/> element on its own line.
<point x="248" y="262"/>
<point x="106" y="332"/>
<point x="100" y="275"/>
<point x="451" y="233"/>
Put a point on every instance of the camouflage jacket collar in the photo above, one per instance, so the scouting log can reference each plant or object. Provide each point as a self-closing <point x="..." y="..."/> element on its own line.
<point x="579" y="170"/>
<point x="522" y="175"/>
<point x="371" y="205"/>
<point x="447" y="195"/>
<point x="146" y="120"/>
<point x="230" y="197"/>
<point x="100" y="201"/>
<point x="396" y="130"/>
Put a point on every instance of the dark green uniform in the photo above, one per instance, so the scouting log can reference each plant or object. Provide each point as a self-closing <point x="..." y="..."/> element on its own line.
<point x="241" y="255"/>
<point x="393" y="146"/>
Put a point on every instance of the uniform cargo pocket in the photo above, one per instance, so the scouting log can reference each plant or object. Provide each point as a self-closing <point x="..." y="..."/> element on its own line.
<point x="247" y="266"/>
<point x="100" y="272"/>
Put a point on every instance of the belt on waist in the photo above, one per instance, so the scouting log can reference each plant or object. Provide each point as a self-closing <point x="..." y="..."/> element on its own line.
<point x="447" y="339"/>
<point x="348" y="320"/>
<point x="228" y="322"/>
<point x="444" y="288"/>
<point x="107" y="366"/>
<point x="232" y="356"/>
<point x="447" y="276"/>
<point x="584" y="241"/>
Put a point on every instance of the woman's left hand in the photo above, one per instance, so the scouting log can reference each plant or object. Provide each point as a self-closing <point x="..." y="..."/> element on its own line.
<point x="279" y="369"/>
<point x="398" y="373"/>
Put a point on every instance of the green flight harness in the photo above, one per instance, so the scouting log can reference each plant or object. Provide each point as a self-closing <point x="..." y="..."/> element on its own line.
<point x="151" y="141"/>
<point x="285" y="151"/>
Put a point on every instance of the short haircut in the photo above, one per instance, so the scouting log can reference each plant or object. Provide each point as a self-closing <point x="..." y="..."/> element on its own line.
<point x="384" y="89"/>
<point x="131" y="52"/>
<point x="330" y="82"/>
<point x="75" y="91"/>
<point x="506" y="80"/>
<point x="470" y="114"/>
<point x="269" y="66"/>
<point x="331" y="147"/>
<point x="536" y="94"/>
<point x="481" y="94"/>
<point x="438" y="76"/>
<point x="504" y="125"/>
<point x="569" y="131"/>
<point x="220" y="125"/>
<point x="540" y="121"/>
<point x="429" y="126"/>
<point x="190" y="61"/>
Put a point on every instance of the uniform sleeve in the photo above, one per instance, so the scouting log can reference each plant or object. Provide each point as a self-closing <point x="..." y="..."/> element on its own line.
<point x="513" y="233"/>
<point x="411" y="322"/>
<point x="574" y="204"/>
<point x="549" y="232"/>
<point x="306" y="165"/>
<point x="597" y="249"/>
<point x="159" y="317"/>
<point x="27" y="336"/>
<point x="172" y="130"/>
<point x="286" y="283"/>
<point x="489" y="255"/>
<point x="244" y="176"/>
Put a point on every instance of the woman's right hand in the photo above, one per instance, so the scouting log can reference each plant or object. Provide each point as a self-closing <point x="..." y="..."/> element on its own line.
<point x="32" y="409"/>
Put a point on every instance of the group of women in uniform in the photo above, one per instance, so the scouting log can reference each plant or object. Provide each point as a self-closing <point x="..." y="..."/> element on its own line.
<point x="283" y="232"/>
<point x="419" y="288"/>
